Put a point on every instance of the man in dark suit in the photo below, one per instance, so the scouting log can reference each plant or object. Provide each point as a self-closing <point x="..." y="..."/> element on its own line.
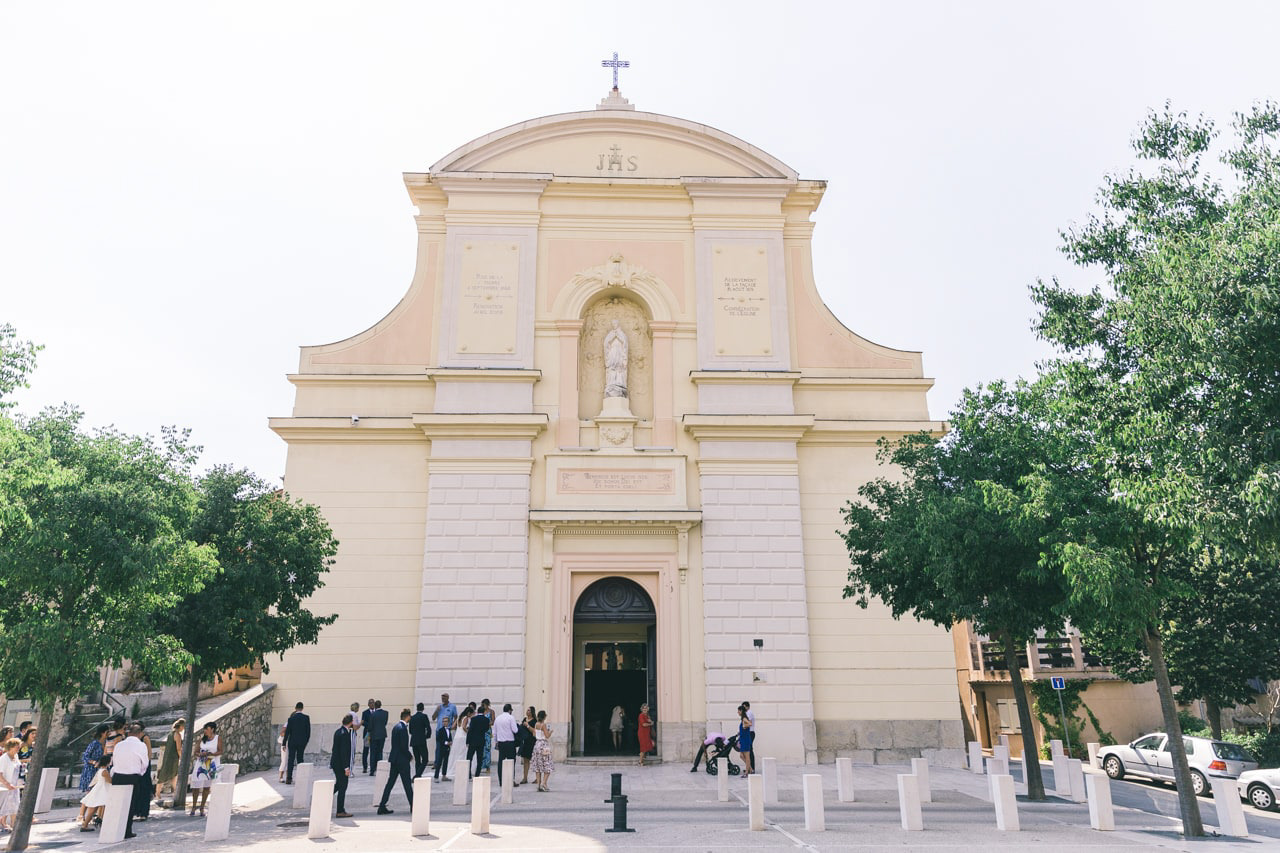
<point x="399" y="760"/>
<point x="419" y="725"/>
<point x="297" y="734"/>
<point x="377" y="735"/>
<point x="364" y="734"/>
<point x="341" y="760"/>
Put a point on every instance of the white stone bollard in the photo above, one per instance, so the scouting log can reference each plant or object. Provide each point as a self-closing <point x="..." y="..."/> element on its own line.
<point x="1055" y="749"/>
<point x="975" y="757"/>
<point x="1005" y="802"/>
<point x="1001" y="751"/>
<point x="844" y="780"/>
<point x="997" y="767"/>
<point x="770" y="774"/>
<point x="909" y="803"/>
<point x="227" y="773"/>
<point x="1093" y="755"/>
<point x="1075" y="774"/>
<point x="302" y="778"/>
<point x="44" y="794"/>
<point x="815" y="818"/>
<point x="420" y="824"/>
<point x="722" y="784"/>
<point x="1062" y="776"/>
<point x="480" y="805"/>
<point x="380" y="781"/>
<point x="460" y="782"/>
<point x="115" y="816"/>
<point x="321" y="809"/>
<point x="1226" y="801"/>
<point x="920" y="770"/>
<point x="1004" y="741"/>
<point x="755" y="803"/>
<point x="508" y="781"/>
<point x="217" y="826"/>
<point x="1102" y="816"/>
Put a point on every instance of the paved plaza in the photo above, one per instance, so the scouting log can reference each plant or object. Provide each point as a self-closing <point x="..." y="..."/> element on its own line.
<point x="670" y="809"/>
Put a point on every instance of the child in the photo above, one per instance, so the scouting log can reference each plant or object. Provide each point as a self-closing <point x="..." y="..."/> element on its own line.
<point x="92" y="804"/>
<point x="12" y="790"/>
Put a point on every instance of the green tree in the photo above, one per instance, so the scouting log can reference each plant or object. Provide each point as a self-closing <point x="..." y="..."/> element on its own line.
<point x="272" y="553"/>
<point x="17" y="360"/>
<point x="940" y="542"/>
<point x="92" y="543"/>
<point x="1168" y="381"/>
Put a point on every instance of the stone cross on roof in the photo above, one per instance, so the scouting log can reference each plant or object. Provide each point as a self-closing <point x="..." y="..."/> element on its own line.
<point x="615" y="64"/>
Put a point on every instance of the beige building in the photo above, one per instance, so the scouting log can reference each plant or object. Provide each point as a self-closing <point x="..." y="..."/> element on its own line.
<point x="597" y="454"/>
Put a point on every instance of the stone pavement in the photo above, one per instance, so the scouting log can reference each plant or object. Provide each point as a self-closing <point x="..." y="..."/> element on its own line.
<point x="670" y="809"/>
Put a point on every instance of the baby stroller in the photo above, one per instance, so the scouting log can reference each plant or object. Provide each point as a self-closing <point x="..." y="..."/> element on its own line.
<point x="725" y="751"/>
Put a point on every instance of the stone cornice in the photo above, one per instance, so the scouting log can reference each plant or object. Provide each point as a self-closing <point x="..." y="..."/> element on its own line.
<point x="862" y="383"/>
<point x="744" y="377"/>
<point x="587" y="522"/>
<point x="842" y="433"/>
<point x="482" y="374"/>
<point x="328" y="430"/>
<point x="748" y="427"/>
<point x="518" y="426"/>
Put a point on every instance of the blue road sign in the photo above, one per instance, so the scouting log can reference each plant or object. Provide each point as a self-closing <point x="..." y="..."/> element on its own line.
<point x="1057" y="682"/>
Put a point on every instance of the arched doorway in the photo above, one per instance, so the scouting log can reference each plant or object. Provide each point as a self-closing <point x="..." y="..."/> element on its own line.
<point x="615" y="662"/>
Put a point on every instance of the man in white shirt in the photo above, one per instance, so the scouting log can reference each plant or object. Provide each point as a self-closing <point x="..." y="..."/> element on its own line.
<point x="504" y="735"/>
<point x="128" y="767"/>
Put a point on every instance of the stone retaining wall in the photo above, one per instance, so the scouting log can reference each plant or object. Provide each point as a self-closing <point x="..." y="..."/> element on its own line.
<point x="891" y="741"/>
<point x="244" y="724"/>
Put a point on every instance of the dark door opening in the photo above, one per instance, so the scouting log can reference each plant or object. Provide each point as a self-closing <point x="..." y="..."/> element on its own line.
<point x="616" y="674"/>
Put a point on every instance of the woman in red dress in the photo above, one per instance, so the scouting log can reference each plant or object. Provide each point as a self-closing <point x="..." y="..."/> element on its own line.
<point x="644" y="732"/>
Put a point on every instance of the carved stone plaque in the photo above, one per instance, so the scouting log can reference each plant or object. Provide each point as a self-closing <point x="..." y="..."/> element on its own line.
<point x="488" y="287"/>
<point x="637" y="481"/>
<point x="740" y="291"/>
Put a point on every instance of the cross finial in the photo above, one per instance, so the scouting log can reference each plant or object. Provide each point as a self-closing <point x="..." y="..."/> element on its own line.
<point x="615" y="64"/>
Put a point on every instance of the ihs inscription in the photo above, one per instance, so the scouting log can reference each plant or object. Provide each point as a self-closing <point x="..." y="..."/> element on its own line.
<point x="613" y="161"/>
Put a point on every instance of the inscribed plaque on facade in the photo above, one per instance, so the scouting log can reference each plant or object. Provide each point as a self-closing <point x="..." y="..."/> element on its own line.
<point x="740" y="290"/>
<point x="636" y="481"/>
<point x="488" y="286"/>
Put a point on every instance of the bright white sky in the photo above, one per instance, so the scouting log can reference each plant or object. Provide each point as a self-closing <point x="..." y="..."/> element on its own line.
<point x="189" y="192"/>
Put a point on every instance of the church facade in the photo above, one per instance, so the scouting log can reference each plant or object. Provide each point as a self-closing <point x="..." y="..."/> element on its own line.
<point x="596" y="456"/>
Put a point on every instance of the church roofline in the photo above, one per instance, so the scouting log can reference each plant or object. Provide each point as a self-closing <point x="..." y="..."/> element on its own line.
<point x="492" y="144"/>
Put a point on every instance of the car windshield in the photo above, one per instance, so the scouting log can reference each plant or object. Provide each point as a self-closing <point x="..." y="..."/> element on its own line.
<point x="1231" y="751"/>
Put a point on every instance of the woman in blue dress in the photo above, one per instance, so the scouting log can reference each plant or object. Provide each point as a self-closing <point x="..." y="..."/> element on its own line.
<point x="91" y="756"/>
<point x="744" y="739"/>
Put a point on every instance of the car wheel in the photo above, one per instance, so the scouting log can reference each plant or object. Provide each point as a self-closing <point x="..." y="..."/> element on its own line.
<point x="1260" y="796"/>
<point x="1199" y="784"/>
<point x="1114" y="767"/>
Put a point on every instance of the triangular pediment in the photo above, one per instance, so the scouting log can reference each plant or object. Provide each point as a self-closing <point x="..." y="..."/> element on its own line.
<point x="614" y="144"/>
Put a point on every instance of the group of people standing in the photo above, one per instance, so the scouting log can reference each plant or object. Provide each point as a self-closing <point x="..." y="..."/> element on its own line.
<point x="479" y="726"/>
<point x="16" y="755"/>
<point x="120" y="754"/>
<point x="644" y="729"/>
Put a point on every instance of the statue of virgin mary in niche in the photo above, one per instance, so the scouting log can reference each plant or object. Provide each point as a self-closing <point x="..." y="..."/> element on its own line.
<point x="615" y="362"/>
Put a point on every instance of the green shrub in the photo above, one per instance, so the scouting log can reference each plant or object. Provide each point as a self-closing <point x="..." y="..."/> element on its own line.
<point x="1265" y="746"/>
<point x="1191" y="724"/>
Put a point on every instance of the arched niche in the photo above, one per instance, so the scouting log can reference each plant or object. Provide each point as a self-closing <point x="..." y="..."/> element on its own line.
<point x="597" y="320"/>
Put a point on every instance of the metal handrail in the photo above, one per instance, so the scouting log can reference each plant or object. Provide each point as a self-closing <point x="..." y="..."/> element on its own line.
<point x="108" y="701"/>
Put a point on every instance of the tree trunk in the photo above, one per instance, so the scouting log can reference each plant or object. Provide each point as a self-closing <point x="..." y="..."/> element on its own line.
<point x="1030" y="752"/>
<point x="184" y="762"/>
<point x="27" y="806"/>
<point x="1214" y="710"/>
<point x="1192" y="825"/>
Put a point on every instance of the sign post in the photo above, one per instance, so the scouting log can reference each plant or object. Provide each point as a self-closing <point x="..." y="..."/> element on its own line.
<point x="1058" y="683"/>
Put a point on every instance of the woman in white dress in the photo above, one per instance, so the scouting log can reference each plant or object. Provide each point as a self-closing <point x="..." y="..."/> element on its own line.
<point x="616" y="723"/>
<point x="206" y="767"/>
<point x="10" y="767"/>
<point x="284" y="753"/>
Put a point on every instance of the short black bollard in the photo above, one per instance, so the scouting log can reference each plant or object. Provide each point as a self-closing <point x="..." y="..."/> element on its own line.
<point x="615" y="788"/>
<point x="619" y="812"/>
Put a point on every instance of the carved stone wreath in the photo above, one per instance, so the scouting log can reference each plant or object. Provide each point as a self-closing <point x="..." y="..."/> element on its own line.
<point x="616" y="273"/>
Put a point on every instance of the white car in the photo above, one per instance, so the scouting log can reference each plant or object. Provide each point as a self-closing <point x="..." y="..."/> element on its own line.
<point x="1260" y="787"/>
<point x="1149" y="757"/>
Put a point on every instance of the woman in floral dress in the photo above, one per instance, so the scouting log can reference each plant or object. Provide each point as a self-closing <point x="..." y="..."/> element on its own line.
<point x="541" y="763"/>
